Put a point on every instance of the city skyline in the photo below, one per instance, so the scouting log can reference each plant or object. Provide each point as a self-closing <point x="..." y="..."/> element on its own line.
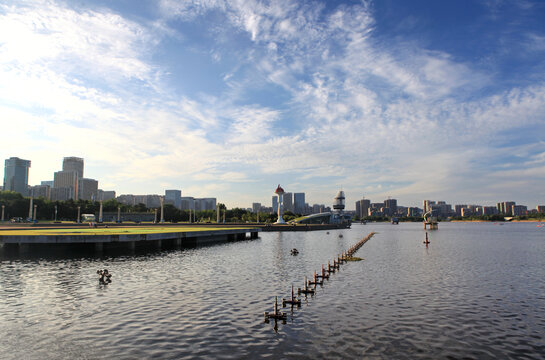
<point x="420" y="100"/>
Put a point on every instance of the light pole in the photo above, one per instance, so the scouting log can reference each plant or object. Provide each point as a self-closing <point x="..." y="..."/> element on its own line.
<point x="3" y="206"/>
<point x="35" y="211"/>
<point x="100" y="213"/>
<point x="55" y="213"/>
<point x="30" y="208"/>
<point x="119" y="214"/>
<point x="162" y="200"/>
<point x="79" y="214"/>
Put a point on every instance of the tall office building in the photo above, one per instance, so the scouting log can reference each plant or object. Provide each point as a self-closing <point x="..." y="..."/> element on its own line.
<point x="287" y="201"/>
<point x="256" y="207"/>
<point x="391" y="204"/>
<point x="174" y="197"/>
<point x="299" y="203"/>
<point x="16" y="175"/>
<point x="362" y="207"/>
<point x="275" y="204"/>
<point x="48" y="183"/>
<point x="73" y="164"/>
<point x="66" y="179"/>
<point x="87" y="189"/>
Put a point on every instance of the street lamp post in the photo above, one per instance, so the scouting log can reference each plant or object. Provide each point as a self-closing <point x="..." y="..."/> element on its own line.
<point x="162" y="200"/>
<point x="35" y="211"/>
<point x="79" y="214"/>
<point x="30" y="208"/>
<point x="3" y="206"/>
<point x="55" y="213"/>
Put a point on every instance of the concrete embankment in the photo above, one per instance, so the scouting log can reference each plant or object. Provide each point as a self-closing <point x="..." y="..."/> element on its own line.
<point x="110" y="237"/>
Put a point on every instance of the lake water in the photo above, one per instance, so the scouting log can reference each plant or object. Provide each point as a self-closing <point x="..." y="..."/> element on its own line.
<point x="477" y="291"/>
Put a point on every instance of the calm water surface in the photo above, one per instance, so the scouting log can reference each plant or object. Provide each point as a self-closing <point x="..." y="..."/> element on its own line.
<point x="477" y="291"/>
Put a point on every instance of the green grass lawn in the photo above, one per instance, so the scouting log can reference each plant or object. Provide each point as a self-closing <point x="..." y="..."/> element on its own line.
<point x="113" y="230"/>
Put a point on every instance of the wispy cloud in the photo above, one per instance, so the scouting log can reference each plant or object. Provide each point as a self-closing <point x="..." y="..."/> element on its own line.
<point x="310" y="96"/>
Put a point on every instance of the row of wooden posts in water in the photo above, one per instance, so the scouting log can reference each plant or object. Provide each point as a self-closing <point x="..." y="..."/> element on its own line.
<point x="318" y="280"/>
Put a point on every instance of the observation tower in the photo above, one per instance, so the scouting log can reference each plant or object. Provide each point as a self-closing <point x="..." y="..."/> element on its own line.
<point x="280" y="192"/>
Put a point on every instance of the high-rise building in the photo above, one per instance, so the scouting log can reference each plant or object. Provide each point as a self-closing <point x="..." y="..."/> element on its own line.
<point x="66" y="179"/>
<point x="256" y="207"/>
<point x="518" y="210"/>
<point x="287" y="201"/>
<point x="506" y="207"/>
<point x="362" y="207"/>
<point x="299" y="203"/>
<point x="87" y="189"/>
<point x="16" y="175"/>
<point x="174" y="197"/>
<point x="275" y="204"/>
<point x="540" y="208"/>
<point x="73" y="164"/>
<point x="391" y="204"/>
<point x="49" y="183"/>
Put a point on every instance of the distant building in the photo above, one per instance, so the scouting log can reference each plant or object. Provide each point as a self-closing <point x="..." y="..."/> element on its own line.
<point x="205" y="204"/>
<point x="67" y="179"/>
<point x="275" y="204"/>
<point x="43" y="191"/>
<point x="506" y="207"/>
<point x="73" y="164"/>
<point x="174" y="197"/>
<point x="540" y="208"/>
<point x="87" y="189"/>
<point x="391" y="204"/>
<point x="458" y="209"/>
<point x="16" y="175"/>
<point x="519" y="210"/>
<point x="49" y="183"/>
<point x="287" y="201"/>
<point x="188" y="203"/>
<point x="467" y="212"/>
<point x="299" y="203"/>
<point x="105" y="195"/>
<point x="61" y="193"/>
<point x="256" y="207"/>
<point x="318" y="208"/>
<point x="362" y="208"/>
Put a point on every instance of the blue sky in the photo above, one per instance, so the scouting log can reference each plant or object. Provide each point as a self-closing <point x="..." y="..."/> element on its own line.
<point x="415" y="100"/>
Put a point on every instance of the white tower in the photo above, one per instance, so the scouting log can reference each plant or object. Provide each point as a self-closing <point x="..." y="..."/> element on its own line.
<point x="339" y="202"/>
<point x="280" y="192"/>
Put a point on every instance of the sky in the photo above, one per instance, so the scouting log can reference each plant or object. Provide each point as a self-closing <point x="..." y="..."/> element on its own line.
<point x="413" y="100"/>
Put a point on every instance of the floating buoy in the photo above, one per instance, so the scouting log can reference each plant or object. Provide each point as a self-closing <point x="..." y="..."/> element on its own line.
<point x="104" y="276"/>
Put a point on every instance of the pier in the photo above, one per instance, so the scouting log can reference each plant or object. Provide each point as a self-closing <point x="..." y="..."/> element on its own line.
<point x="103" y="238"/>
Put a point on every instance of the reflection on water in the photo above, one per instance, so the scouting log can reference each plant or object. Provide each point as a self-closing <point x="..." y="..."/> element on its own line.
<point x="476" y="291"/>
